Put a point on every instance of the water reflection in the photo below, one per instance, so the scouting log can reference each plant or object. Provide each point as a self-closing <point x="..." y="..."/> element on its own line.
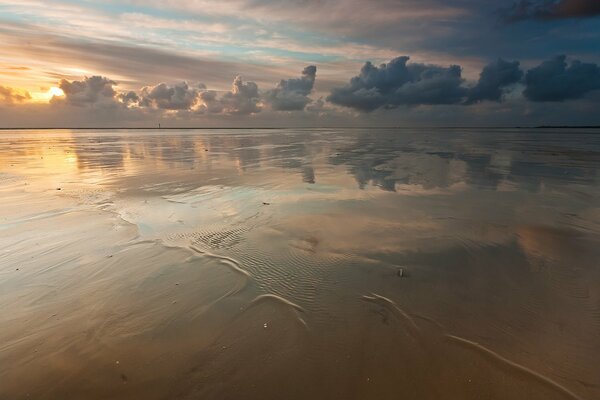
<point x="367" y="264"/>
<point x="381" y="158"/>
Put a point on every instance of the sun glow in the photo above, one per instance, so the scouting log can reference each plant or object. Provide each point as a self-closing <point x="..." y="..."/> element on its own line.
<point x="55" y="91"/>
<point x="46" y="95"/>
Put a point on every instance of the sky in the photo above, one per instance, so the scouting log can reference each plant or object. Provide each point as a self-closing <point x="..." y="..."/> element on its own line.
<point x="274" y="63"/>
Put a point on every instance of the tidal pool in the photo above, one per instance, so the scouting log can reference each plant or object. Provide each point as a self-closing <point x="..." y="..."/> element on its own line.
<point x="300" y="264"/>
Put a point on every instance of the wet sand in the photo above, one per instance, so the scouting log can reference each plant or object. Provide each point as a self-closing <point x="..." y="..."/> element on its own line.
<point x="300" y="264"/>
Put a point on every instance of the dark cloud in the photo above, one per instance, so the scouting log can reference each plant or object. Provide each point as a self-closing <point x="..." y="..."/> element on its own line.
<point x="10" y="96"/>
<point x="165" y="97"/>
<point x="398" y="83"/>
<point x="554" y="80"/>
<point x="577" y="8"/>
<point x="91" y="91"/>
<point x="551" y="9"/>
<point x="292" y="94"/>
<point x="493" y="79"/>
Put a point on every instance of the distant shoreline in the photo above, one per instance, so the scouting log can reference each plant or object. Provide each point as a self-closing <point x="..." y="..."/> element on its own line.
<point x="567" y="127"/>
<point x="309" y="127"/>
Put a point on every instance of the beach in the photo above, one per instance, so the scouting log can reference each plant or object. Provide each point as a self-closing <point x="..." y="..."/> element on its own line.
<point x="300" y="264"/>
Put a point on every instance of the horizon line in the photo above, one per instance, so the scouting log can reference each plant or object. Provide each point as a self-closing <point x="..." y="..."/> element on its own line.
<point x="307" y="127"/>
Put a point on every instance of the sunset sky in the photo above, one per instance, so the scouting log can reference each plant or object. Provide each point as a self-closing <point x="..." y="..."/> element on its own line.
<point x="299" y="63"/>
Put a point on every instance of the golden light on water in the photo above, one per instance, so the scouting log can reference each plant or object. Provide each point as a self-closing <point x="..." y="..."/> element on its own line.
<point x="312" y="230"/>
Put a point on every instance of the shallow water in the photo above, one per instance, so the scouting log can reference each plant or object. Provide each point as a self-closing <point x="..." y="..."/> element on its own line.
<point x="297" y="264"/>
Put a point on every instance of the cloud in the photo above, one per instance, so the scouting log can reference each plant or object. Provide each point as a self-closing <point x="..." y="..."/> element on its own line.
<point x="242" y="99"/>
<point x="493" y="79"/>
<point x="292" y="94"/>
<point x="10" y="96"/>
<point x="209" y="102"/>
<point x="399" y="83"/>
<point x="132" y="65"/>
<point x="346" y="18"/>
<point x="554" y="80"/>
<point x="551" y="9"/>
<point x="128" y="98"/>
<point x="91" y="91"/>
<point x="162" y="96"/>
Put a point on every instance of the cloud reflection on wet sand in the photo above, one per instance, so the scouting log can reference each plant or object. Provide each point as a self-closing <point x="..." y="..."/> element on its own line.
<point x="455" y="264"/>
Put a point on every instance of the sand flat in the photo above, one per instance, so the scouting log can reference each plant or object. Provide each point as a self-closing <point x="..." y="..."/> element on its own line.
<point x="333" y="264"/>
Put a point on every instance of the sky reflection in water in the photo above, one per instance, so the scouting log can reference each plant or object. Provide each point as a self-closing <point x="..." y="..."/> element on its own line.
<point x="343" y="264"/>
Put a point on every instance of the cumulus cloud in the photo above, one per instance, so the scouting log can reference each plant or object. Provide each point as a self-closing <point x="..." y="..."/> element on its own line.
<point x="551" y="9"/>
<point x="91" y="91"/>
<point x="292" y="94"/>
<point x="399" y="83"/>
<point x="388" y="86"/>
<point x="209" y="102"/>
<point x="165" y="97"/>
<point x="242" y="99"/>
<point x="10" y="96"/>
<point x="554" y="80"/>
<point x="128" y="98"/>
<point x="494" y="78"/>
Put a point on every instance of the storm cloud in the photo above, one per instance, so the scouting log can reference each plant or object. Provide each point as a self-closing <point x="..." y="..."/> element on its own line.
<point x="493" y="79"/>
<point x="555" y="80"/>
<point x="398" y="83"/>
<point x="292" y="94"/>
<point x="551" y="9"/>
